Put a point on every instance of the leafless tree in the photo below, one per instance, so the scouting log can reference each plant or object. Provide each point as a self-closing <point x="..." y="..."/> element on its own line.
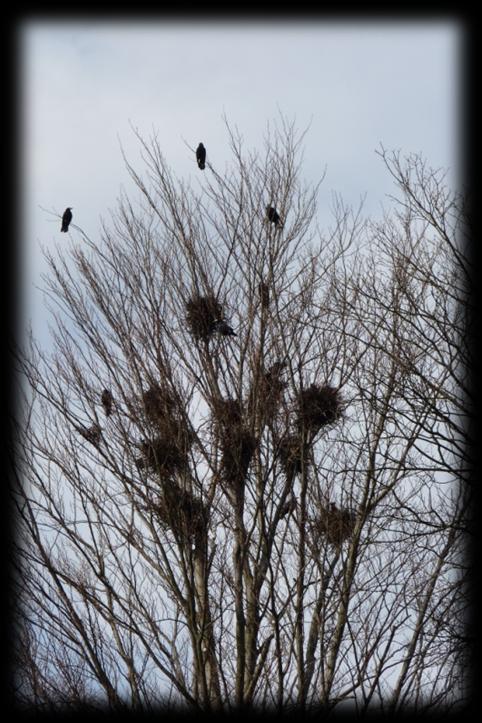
<point x="244" y="468"/>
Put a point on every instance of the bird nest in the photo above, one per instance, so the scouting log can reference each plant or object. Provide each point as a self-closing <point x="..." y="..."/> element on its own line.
<point x="334" y="524"/>
<point x="92" y="434"/>
<point x="318" y="406"/>
<point x="184" y="514"/>
<point x="267" y="393"/>
<point x="161" y="455"/>
<point x="202" y="313"/>
<point x="237" y="447"/>
<point x="271" y="388"/>
<point x="158" y="403"/>
<point x="227" y="413"/>
<point x="236" y="443"/>
<point x="162" y="410"/>
<point x="291" y="453"/>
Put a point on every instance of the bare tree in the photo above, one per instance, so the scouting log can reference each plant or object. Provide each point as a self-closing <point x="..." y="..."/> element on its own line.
<point x="244" y="472"/>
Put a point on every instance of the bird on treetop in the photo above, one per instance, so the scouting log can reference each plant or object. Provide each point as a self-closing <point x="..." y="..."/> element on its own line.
<point x="66" y="219"/>
<point x="201" y="156"/>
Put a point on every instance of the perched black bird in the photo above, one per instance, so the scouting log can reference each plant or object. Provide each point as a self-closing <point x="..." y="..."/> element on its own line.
<point x="201" y="156"/>
<point x="221" y="327"/>
<point x="66" y="219"/>
<point x="107" y="400"/>
<point x="273" y="216"/>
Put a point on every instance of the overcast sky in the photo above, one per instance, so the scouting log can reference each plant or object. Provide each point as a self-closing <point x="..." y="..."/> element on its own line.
<point x="359" y="84"/>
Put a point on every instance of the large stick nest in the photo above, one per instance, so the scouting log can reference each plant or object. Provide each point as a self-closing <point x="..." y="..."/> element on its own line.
<point x="236" y="443"/>
<point x="292" y="452"/>
<point x="202" y="313"/>
<point x="163" y="456"/>
<point x="92" y="434"/>
<point x="318" y="406"/>
<point x="334" y="524"/>
<point x="159" y="403"/>
<point x="227" y="414"/>
<point x="184" y="514"/>
<point x="271" y="389"/>
<point x="237" y="450"/>
<point x="267" y="394"/>
<point x="162" y="410"/>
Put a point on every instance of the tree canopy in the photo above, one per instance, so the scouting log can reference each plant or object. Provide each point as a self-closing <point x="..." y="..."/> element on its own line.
<point x="274" y="517"/>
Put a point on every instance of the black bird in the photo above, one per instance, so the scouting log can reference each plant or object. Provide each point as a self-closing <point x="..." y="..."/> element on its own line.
<point x="107" y="400"/>
<point x="66" y="219"/>
<point x="221" y="327"/>
<point x="201" y="156"/>
<point x="273" y="216"/>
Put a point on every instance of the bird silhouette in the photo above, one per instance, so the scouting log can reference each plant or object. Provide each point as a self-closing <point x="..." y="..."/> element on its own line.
<point x="273" y="216"/>
<point x="221" y="327"/>
<point x="66" y="219"/>
<point x="107" y="400"/>
<point x="201" y="156"/>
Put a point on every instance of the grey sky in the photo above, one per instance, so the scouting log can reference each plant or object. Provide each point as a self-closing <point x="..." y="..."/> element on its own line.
<point x="358" y="83"/>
